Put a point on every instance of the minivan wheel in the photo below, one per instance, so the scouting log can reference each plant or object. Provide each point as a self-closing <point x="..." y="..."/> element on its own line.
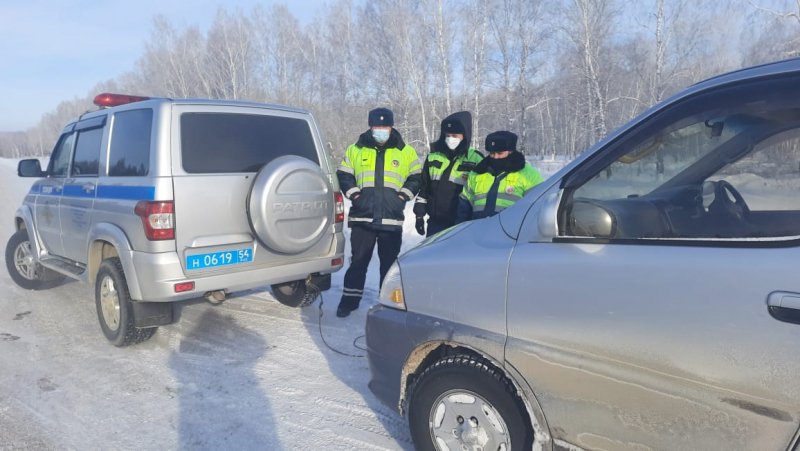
<point x="23" y="268"/>
<point x="463" y="402"/>
<point x="293" y="294"/>
<point x="114" y="309"/>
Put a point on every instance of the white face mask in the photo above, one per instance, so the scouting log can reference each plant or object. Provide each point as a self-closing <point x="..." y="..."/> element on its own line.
<point x="381" y="135"/>
<point x="452" y="142"/>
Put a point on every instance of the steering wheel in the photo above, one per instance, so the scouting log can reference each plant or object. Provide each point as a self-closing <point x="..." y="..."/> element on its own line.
<point x="728" y="201"/>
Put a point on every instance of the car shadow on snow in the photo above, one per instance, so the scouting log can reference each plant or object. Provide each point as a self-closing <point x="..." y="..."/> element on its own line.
<point x="221" y="403"/>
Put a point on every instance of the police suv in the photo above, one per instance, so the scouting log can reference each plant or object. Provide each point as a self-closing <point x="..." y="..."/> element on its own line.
<point x="154" y="200"/>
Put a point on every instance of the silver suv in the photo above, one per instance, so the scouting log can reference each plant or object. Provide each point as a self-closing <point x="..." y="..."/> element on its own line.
<point x="157" y="200"/>
<point x="647" y="296"/>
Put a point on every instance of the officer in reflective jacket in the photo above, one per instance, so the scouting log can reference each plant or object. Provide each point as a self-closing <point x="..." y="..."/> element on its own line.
<point x="379" y="174"/>
<point x="501" y="179"/>
<point x="445" y="173"/>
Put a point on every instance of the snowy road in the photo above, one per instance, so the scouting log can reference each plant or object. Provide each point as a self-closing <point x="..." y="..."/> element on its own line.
<point x="249" y="374"/>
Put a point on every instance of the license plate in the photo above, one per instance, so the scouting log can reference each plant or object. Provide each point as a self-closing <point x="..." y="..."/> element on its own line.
<point x="222" y="258"/>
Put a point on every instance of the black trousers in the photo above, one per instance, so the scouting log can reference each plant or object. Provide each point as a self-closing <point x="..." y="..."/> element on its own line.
<point x="362" y="243"/>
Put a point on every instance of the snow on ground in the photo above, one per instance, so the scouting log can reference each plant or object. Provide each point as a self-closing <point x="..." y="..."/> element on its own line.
<point x="248" y="374"/>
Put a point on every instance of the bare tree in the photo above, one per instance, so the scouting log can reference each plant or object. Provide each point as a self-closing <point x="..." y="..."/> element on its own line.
<point x="230" y="56"/>
<point x="588" y="28"/>
<point x="474" y="49"/>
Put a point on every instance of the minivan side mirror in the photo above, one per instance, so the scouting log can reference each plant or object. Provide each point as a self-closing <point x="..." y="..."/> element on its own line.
<point x="541" y="225"/>
<point x="30" y="168"/>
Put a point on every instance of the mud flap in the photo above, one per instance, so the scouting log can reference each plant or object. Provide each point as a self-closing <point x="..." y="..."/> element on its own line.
<point x="152" y="314"/>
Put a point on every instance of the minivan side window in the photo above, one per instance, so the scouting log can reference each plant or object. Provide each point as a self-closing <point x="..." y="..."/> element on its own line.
<point x="129" y="152"/>
<point x="225" y="142"/>
<point x="87" y="153"/>
<point x="59" y="160"/>
<point x="723" y="166"/>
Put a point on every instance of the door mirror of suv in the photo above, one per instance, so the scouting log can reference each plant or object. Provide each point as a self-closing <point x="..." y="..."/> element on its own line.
<point x="30" y="168"/>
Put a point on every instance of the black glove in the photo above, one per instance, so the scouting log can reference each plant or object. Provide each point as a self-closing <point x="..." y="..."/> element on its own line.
<point x="419" y="208"/>
<point x="420" y="225"/>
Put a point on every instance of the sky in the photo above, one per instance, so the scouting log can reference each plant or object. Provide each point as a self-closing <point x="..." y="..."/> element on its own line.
<point x="57" y="50"/>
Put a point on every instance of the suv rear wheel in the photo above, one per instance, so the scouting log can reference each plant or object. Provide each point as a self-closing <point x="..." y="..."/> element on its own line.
<point x="293" y="294"/>
<point x="24" y="270"/>
<point x="463" y="402"/>
<point x="114" y="309"/>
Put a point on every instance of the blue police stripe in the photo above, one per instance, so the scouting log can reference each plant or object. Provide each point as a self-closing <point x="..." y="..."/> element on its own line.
<point x="103" y="192"/>
<point x="76" y="191"/>
<point x="126" y="192"/>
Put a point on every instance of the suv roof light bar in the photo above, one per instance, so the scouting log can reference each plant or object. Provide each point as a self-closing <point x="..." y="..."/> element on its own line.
<point x="107" y="99"/>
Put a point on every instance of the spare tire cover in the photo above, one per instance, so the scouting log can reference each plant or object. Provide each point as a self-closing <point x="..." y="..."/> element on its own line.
<point x="290" y="204"/>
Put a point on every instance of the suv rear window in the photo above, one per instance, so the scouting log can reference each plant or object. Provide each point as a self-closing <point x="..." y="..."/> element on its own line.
<point x="226" y="142"/>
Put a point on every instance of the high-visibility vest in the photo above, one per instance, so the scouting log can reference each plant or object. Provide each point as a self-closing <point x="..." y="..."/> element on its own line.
<point x="380" y="176"/>
<point x="506" y="191"/>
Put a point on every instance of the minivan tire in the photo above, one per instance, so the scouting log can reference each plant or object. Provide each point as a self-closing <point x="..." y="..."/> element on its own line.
<point x="293" y="294"/>
<point x="25" y="272"/>
<point x="468" y="376"/>
<point x="114" y="309"/>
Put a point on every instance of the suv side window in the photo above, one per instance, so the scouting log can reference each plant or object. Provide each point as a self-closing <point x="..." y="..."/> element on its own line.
<point x="129" y="152"/>
<point x="59" y="160"/>
<point x="224" y="142"/>
<point x="721" y="165"/>
<point x="87" y="153"/>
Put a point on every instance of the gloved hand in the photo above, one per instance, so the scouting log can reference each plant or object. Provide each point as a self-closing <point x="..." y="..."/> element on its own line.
<point x="420" y="225"/>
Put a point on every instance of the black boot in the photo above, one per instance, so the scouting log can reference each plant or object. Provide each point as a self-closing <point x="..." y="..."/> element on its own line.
<point x="345" y="307"/>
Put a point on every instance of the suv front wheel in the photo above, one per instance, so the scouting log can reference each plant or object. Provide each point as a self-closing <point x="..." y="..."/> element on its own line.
<point x="114" y="309"/>
<point x="23" y="268"/>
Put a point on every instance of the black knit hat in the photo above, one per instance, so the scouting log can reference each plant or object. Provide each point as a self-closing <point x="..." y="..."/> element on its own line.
<point x="501" y="141"/>
<point x="381" y="117"/>
<point x="453" y="125"/>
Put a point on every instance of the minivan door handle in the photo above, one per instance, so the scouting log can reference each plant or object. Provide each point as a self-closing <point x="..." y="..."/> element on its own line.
<point x="784" y="306"/>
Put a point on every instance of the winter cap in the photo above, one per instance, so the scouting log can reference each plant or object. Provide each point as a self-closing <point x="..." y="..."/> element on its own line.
<point x="501" y="141"/>
<point x="381" y="117"/>
<point x="453" y="125"/>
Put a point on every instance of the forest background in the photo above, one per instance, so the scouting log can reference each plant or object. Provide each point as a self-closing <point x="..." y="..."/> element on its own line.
<point x="559" y="73"/>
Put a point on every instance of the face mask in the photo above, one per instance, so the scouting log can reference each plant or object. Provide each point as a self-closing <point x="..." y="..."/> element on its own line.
<point x="452" y="143"/>
<point x="381" y="135"/>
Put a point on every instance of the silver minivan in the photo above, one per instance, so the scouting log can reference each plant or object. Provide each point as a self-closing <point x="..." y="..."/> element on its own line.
<point x="154" y="200"/>
<point x="647" y="296"/>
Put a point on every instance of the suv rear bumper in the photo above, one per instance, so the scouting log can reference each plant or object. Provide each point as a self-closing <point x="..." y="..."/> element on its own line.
<point x="162" y="271"/>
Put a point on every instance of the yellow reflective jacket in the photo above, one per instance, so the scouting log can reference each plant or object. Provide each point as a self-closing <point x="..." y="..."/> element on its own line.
<point x="496" y="185"/>
<point x="379" y="180"/>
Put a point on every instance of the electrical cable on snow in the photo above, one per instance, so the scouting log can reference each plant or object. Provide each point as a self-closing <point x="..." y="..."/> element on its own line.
<point x="317" y="293"/>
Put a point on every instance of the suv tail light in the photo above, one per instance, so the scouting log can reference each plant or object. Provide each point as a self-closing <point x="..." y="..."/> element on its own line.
<point x="158" y="219"/>
<point x="339" y="208"/>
